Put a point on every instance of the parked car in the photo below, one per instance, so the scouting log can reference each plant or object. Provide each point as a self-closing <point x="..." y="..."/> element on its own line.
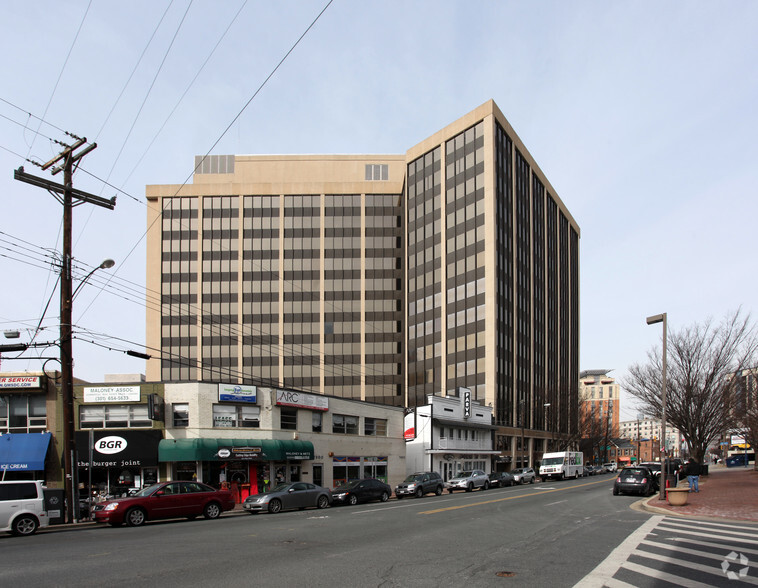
<point x="589" y="470"/>
<point x="634" y="480"/>
<point x="285" y="496"/>
<point x="501" y="479"/>
<point x="468" y="480"/>
<point x="22" y="507"/>
<point x="655" y="468"/>
<point x="610" y="466"/>
<point x="524" y="475"/>
<point x="419" y="484"/>
<point x="361" y="491"/>
<point x="165" y="500"/>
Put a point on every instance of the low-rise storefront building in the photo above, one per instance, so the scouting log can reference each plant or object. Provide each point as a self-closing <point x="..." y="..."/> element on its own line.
<point x="249" y="438"/>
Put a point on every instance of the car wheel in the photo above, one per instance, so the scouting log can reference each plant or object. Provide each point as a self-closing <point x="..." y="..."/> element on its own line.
<point x="531" y="481"/>
<point x="212" y="510"/>
<point x="470" y="487"/>
<point x="419" y="493"/>
<point x="438" y="491"/>
<point x="275" y="506"/>
<point x="449" y="490"/>
<point x="353" y="500"/>
<point x="135" y="517"/>
<point x="385" y="497"/>
<point x="615" y="492"/>
<point x="323" y="501"/>
<point x="25" y="525"/>
<point x="486" y="486"/>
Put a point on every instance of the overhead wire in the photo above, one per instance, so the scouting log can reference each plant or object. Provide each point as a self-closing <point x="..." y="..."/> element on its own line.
<point x="156" y="297"/>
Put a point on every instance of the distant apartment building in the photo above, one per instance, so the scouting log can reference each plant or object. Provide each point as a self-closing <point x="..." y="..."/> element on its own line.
<point x="648" y="432"/>
<point x="600" y="404"/>
<point x="383" y="278"/>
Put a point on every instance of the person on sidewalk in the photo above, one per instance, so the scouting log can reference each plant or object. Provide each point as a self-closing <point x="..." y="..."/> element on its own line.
<point x="693" y="475"/>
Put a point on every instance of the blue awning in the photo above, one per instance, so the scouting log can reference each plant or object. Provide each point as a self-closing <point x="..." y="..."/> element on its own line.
<point x="23" y="451"/>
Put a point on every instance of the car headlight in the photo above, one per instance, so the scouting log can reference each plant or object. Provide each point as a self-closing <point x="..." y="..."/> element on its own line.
<point x="341" y="495"/>
<point x="411" y="486"/>
<point x="112" y="506"/>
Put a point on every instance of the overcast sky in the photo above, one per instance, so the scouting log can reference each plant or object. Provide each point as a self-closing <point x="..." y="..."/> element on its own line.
<point x="644" y="117"/>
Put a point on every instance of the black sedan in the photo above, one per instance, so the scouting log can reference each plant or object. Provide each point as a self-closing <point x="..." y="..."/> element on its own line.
<point x="634" y="480"/>
<point x="501" y="479"/>
<point x="361" y="491"/>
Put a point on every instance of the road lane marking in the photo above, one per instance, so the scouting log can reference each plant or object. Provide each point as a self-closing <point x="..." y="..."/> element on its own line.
<point x="546" y="491"/>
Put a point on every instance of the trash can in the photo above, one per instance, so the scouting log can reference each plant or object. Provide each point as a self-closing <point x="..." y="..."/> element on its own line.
<point x="55" y="505"/>
<point x="704" y="469"/>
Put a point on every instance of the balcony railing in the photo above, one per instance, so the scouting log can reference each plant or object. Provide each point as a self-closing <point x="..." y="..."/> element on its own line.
<point x="463" y="445"/>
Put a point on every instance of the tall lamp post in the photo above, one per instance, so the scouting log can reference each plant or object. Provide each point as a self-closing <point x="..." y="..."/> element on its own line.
<point x="546" y="405"/>
<point x="639" y="418"/>
<point x="652" y="320"/>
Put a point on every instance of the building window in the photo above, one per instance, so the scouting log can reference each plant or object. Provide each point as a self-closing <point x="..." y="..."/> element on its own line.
<point x="114" y="416"/>
<point x="344" y="424"/>
<point x="375" y="427"/>
<point x="288" y="418"/>
<point x="377" y="172"/>
<point x="20" y="413"/>
<point x="227" y="415"/>
<point x="181" y="415"/>
<point x="317" y="421"/>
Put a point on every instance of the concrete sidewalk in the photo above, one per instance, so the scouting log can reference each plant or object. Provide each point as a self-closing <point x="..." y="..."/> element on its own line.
<point x="727" y="493"/>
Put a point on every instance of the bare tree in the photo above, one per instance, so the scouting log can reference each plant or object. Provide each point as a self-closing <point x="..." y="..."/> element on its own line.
<point x="700" y="390"/>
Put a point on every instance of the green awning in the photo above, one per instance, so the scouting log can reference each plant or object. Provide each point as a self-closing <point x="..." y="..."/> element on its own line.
<point x="208" y="449"/>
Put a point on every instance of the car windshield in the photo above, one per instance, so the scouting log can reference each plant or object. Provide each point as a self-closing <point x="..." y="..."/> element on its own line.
<point x="348" y="486"/>
<point x="465" y="475"/>
<point x="552" y="461"/>
<point x="149" y="490"/>
<point x="634" y="472"/>
<point x="413" y="478"/>
<point x="280" y="488"/>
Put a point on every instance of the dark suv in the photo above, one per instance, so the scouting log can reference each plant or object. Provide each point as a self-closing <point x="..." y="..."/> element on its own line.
<point x="419" y="484"/>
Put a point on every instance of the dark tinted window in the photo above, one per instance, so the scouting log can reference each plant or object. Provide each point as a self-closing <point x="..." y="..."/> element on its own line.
<point x="18" y="491"/>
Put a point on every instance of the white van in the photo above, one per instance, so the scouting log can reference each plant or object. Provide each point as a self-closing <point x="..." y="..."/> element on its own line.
<point x="22" y="507"/>
<point x="562" y="465"/>
<point x="610" y="466"/>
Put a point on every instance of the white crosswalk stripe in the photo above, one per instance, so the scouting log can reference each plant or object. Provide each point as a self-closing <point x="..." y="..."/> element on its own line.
<point x="681" y="552"/>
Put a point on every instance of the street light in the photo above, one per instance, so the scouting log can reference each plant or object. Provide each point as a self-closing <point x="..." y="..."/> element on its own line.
<point x="639" y="418"/>
<point x="67" y="378"/>
<point x="107" y="264"/>
<point x="652" y="320"/>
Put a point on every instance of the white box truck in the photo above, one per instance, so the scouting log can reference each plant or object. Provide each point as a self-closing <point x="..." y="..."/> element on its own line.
<point x="561" y="465"/>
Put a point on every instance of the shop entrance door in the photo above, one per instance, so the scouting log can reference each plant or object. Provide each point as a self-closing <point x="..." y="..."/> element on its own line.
<point x="318" y="474"/>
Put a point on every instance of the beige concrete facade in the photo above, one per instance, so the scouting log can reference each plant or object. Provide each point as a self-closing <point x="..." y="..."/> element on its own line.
<point x="483" y="287"/>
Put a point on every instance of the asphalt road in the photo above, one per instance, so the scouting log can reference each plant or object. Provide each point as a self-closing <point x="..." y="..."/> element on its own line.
<point x="549" y="534"/>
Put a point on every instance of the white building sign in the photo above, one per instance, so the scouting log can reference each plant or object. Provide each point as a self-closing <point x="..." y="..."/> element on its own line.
<point x="300" y="400"/>
<point x="19" y="382"/>
<point x="237" y="393"/>
<point x="112" y="394"/>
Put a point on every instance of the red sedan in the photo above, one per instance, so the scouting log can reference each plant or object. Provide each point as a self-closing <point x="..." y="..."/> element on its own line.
<point x="166" y="500"/>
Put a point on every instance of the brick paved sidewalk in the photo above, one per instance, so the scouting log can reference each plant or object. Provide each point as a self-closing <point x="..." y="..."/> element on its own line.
<point x="730" y="493"/>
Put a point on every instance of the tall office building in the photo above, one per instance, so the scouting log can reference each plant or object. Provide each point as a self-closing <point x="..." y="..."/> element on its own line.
<point x="378" y="277"/>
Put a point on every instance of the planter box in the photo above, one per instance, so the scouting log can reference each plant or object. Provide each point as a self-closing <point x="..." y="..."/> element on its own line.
<point x="677" y="496"/>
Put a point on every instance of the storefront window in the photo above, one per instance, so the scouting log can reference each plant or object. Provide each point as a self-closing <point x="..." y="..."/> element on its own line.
<point x="375" y="427"/>
<point x="181" y="415"/>
<point x="288" y="418"/>
<point x="345" y="424"/>
<point x="21" y="413"/>
<point x="226" y="415"/>
<point x="114" y="416"/>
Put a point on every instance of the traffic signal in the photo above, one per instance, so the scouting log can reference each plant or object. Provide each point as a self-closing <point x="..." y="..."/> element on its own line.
<point x="156" y="408"/>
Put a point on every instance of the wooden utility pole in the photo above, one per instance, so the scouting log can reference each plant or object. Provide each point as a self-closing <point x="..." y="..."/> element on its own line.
<point x="67" y="195"/>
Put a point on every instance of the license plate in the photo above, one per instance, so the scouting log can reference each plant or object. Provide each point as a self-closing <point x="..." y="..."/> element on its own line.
<point x="630" y="480"/>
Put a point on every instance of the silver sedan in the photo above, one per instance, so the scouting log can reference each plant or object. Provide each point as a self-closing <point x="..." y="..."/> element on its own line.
<point x="296" y="495"/>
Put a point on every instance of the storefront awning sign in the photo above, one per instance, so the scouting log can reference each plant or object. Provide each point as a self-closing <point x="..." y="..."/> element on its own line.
<point x="241" y="453"/>
<point x="117" y="449"/>
<point x="23" y="451"/>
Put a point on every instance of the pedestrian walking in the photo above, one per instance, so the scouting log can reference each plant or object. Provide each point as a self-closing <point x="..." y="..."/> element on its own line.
<point x="693" y="475"/>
